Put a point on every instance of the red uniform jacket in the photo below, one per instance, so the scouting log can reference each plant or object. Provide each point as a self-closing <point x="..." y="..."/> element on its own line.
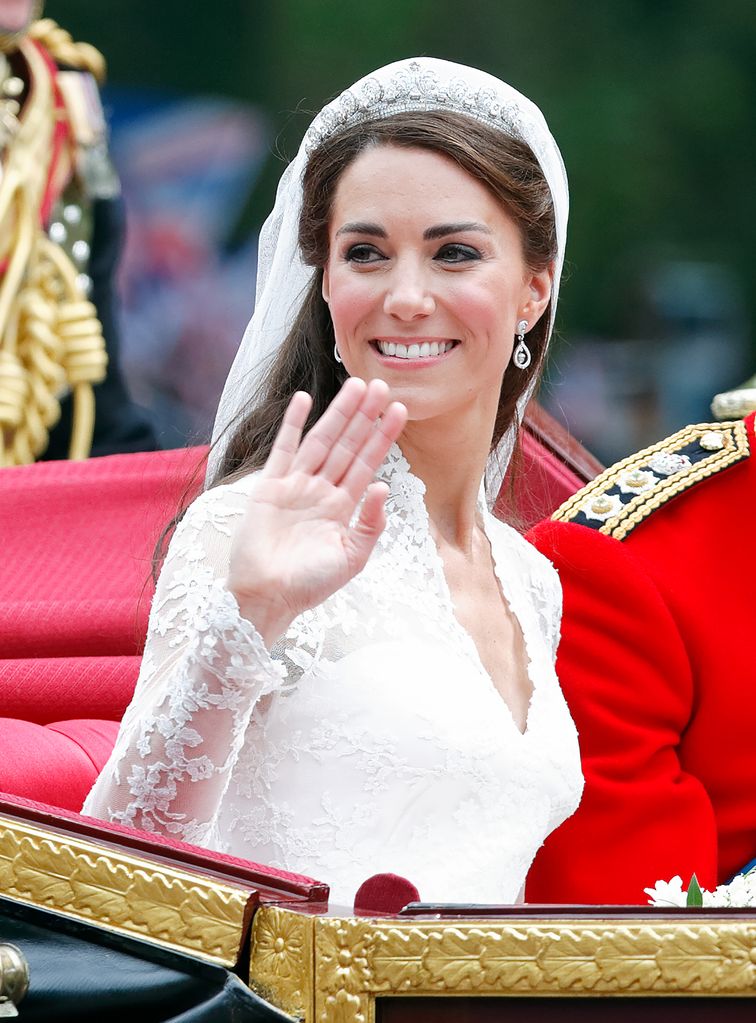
<point x="658" y="665"/>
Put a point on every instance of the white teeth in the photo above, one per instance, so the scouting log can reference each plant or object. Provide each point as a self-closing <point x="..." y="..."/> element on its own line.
<point x="414" y="351"/>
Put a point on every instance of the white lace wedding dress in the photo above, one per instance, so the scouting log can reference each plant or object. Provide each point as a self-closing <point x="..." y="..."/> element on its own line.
<point x="372" y="740"/>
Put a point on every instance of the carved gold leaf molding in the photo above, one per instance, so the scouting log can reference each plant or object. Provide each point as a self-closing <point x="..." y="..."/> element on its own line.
<point x="123" y="893"/>
<point x="328" y="969"/>
<point x="281" y="960"/>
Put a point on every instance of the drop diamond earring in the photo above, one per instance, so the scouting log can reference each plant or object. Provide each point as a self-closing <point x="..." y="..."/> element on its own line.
<point x="522" y="357"/>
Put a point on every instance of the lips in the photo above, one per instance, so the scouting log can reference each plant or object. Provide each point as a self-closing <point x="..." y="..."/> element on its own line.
<point x="415" y="349"/>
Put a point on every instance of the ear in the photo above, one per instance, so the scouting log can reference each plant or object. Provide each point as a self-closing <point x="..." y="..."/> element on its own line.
<point x="536" y="295"/>
<point x="326" y="288"/>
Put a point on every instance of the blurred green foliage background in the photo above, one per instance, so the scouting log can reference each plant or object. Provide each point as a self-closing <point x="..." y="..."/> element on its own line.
<point x="651" y="101"/>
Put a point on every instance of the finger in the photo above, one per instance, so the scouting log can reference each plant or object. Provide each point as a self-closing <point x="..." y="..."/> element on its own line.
<point x="370" y="457"/>
<point x="317" y="445"/>
<point x="289" y="434"/>
<point x="371" y="521"/>
<point x="356" y="431"/>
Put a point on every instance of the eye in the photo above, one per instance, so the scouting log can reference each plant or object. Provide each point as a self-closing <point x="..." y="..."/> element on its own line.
<point x="363" y="253"/>
<point x="454" y="252"/>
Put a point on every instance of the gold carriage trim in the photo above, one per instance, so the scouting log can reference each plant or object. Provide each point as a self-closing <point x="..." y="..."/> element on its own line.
<point x="321" y="969"/>
<point x="627" y="492"/>
<point x="119" y="892"/>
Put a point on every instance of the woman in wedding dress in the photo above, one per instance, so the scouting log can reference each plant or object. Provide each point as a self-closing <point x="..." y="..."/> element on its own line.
<point x="350" y="661"/>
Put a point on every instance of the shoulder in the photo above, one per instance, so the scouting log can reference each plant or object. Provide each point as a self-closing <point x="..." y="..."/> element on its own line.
<point x="213" y="515"/>
<point x="226" y="498"/>
<point x="631" y="490"/>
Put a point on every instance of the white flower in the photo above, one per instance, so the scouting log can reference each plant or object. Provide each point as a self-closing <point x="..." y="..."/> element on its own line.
<point x="741" y="891"/>
<point x="667" y="893"/>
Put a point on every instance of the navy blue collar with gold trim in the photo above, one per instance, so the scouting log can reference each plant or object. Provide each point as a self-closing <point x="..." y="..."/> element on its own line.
<point x="627" y="492"/>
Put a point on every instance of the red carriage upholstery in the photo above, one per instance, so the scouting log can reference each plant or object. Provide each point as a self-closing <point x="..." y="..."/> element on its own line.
<point x="75" y="589"/>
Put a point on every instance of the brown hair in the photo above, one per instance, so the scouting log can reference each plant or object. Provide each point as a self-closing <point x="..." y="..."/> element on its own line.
<point x="305" y="359"/>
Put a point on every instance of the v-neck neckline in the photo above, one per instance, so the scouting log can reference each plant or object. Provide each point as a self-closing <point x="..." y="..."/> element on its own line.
<point x="403" y="483"/>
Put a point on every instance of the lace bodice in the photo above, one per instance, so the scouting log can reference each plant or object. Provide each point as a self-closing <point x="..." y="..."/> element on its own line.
<point x="371" y="739"/>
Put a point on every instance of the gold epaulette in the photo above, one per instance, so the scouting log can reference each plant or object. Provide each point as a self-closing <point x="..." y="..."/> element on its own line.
<point x="64" y="50"/>
<point x="627" y="492"/>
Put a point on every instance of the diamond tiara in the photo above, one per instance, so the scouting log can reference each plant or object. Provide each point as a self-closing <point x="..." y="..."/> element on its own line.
<point x="415" y="87"/>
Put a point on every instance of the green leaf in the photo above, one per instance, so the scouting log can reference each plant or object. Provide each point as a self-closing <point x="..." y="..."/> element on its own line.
<point x="695" y="896"/>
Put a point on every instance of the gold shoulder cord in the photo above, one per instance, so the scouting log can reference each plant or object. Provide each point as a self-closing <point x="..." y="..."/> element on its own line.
<point x="626" y="493"/>
<point x="50" y="338"/>
<point x="64" y="50"/>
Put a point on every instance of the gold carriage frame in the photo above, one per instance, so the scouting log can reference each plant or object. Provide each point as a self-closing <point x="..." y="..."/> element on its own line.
<point x="323" y="968"/>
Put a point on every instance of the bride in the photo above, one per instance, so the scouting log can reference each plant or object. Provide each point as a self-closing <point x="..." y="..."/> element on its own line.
<point x="350" y="661"/>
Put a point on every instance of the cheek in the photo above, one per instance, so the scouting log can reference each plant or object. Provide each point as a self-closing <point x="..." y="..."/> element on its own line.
<point x="351" y="299"/>
<point x="481" y="308"/>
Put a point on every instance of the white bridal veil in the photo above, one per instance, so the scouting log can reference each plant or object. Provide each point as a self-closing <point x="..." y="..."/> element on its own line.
<point x="420" y="83"/>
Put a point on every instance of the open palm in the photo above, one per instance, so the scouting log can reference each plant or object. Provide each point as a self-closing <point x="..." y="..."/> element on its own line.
<point x="295" y="545"/>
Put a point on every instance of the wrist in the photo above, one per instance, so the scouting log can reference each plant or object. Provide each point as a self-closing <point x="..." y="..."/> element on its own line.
<point x="269" y="617"/>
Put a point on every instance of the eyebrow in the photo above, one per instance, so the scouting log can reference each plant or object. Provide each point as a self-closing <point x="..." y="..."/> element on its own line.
<point x="359" y="227"/>
<point x="442" y="230"/>
<point x="431" y="233"/>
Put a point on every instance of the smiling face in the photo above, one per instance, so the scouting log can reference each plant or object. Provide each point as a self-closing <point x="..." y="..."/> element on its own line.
<point x="426" y="281"/>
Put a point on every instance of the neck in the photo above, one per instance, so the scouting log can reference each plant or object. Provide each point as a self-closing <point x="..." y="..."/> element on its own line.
<point x="451" y="463"/>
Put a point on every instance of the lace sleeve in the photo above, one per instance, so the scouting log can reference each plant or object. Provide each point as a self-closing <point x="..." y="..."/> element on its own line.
<point x="204" y="669"/>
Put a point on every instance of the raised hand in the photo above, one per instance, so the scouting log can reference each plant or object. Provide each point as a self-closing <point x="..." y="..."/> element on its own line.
<point x="295" y="546"/>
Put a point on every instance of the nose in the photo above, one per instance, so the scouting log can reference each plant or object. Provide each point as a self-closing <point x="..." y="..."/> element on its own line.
<point x="408" y="296"/>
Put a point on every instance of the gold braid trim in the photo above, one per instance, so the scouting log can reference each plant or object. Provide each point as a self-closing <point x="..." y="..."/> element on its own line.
<point x="731" y="445"/>
<point x="50" y="337"/>
<point x="62" y="48"/>
<point x="53" y="342"/>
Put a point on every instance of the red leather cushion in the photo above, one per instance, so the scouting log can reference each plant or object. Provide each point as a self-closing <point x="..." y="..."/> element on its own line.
<point x="53" y="688"/>
<point x="78" y="539"/>
<point x="75" y="590"/>
<point x="56" y="763"/>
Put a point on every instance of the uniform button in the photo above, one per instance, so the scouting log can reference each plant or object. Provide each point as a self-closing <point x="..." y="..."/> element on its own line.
<point x="80" y="251"/>
<point x="13" y="86"/>
<point x="712" y="441"/>
<point x="72" y="214"/>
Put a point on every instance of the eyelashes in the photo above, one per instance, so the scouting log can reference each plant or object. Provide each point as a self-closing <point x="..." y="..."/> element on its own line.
<point x="454" y="252"/>
<point x="451" y="253"/>
<point x="363" y="253"/>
